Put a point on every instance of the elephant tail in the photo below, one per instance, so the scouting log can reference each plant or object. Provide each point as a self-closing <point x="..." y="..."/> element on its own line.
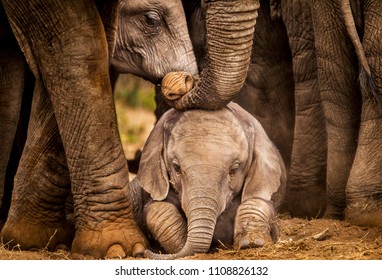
<point x="366" y="80"/>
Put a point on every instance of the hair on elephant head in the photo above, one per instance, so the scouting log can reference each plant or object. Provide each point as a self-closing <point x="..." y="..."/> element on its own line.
<point x="211" y="176"/>
<point x="152" y="39"/>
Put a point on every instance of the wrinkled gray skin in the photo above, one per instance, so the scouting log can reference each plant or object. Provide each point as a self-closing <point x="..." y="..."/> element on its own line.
<point x="75" y="142"/>
<point x="281" y="91"/>
<point x="212" y="176"/>
<point x="335" y="157"/>
<point x="346" y="76"/>
<point x="336" y="160"/>
<point x="351" y="98"/>
<point x="280" y="88"/>
<point x="229" y="27"/>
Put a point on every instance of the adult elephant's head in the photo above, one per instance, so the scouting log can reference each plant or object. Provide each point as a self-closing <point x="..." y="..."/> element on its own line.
<point x="149" y="38"/>
<point x="228" y="44"/>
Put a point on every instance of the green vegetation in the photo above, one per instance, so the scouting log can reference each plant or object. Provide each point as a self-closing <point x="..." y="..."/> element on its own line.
<point x="135" y="92"/>
<point x="135" y="105"/>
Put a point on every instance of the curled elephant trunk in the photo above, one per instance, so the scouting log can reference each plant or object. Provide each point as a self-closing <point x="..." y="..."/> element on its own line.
<point x="229" y="36"/>
<point x="202" y="212"/>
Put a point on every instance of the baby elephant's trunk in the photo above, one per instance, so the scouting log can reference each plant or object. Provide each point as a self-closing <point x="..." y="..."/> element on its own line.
<point x="202" y="213"/>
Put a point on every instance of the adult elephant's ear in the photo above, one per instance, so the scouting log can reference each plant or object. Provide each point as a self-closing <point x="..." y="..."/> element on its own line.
<point x="152" y="173"/>
<point x="266" y="175"/>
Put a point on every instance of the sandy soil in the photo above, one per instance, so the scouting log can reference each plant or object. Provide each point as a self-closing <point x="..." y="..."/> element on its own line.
<point x="300" y="239"/>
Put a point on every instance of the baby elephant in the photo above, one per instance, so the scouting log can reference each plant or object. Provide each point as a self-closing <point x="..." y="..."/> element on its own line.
<point x="213" y="177"/>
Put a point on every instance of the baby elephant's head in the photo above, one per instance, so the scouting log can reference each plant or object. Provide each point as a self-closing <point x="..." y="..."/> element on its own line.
<point x="208" y="158"/>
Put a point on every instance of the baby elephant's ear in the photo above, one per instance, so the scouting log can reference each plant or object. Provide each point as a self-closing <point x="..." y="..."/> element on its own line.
<point x="152" y="173"/>
<point x="266" y="176"/>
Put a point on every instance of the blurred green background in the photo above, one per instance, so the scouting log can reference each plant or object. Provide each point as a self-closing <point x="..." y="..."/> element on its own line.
<point x="135" y="105"/>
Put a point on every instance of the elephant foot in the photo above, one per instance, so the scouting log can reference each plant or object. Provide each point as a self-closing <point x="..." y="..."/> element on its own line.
<point x="112" y="240"/>
<point x="36" y="236"/>
<point x="254" y="238"/>
<point x="365" y="216"/>
<point x="364" y="187"/>
<point x="364" y="207"/>
<point x="255" y="224"/>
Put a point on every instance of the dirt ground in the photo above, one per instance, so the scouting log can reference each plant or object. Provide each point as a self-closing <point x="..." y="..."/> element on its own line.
<point x="300" y="239"/>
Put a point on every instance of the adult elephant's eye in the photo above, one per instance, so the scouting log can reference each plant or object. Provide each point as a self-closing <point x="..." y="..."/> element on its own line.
<point x="152" y="20"/>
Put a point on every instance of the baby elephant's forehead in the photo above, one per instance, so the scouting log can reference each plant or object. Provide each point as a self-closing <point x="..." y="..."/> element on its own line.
<point x="215" y="130"/>
<point x="207" y="122"/>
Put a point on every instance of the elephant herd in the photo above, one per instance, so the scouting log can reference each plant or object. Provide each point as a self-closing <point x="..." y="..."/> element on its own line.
<point x="301" y="136"/>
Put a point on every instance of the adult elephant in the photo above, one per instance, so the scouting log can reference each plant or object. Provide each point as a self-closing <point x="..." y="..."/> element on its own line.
<point x="66" y="49"/>
<point x="351" y="105"/>
<point x="42" y="177"/>
<point x="339" y="46"/>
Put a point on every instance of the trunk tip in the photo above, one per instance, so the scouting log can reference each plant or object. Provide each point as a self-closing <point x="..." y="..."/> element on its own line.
<point x="154" y="256"/>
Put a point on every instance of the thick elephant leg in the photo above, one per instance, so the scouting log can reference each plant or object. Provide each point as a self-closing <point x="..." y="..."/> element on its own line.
<point x="364" y="189"/>
<point x="65" y="45"/>
<point x="42" y="184"/>
<point x="12" y="75"/>
<point x="167" y="225"/>
<point x="305" y="195"/>
<point x="337" y="66"/>
<point x="255" y="224"/>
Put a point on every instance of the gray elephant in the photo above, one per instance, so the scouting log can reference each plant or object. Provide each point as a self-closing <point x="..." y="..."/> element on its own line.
<point x="212" y="177"/>
<point x="335" y="164"/>
<point x="280" y="88"/>
<point x="336" y="58"/>
<point x="352" y="109"/>
<point x="333" y="48"/>
<point x="143" y="46"/>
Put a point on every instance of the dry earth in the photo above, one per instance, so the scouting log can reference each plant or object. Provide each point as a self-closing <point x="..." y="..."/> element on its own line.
<point x="300" y="239"/>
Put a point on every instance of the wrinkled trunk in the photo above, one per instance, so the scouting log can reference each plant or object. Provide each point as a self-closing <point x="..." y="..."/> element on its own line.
<point x="229" y="35"/>
<point x="202" y="211"/>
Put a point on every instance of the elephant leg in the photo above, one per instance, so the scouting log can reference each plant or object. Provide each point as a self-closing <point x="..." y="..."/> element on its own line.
<point x="337" y="66"/>
<point x="364" y="189"/>
<point x="66" y="47"/>
<point x="36" y="217"/>
<point x="305" y="194"/>
<point x="12" y="74"/>
<point x="255" y="224"/>
<point x="167" y="225"/>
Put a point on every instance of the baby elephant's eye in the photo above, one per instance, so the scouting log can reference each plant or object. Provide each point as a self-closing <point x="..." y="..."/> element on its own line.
<point x="234" y="168"/>
<point x="152" y="19"/>
<point x="176" y="167"/>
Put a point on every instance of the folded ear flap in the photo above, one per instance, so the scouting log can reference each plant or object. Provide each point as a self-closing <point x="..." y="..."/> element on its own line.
<point x="152" y="173"/>
<point x="266" y="177"/>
